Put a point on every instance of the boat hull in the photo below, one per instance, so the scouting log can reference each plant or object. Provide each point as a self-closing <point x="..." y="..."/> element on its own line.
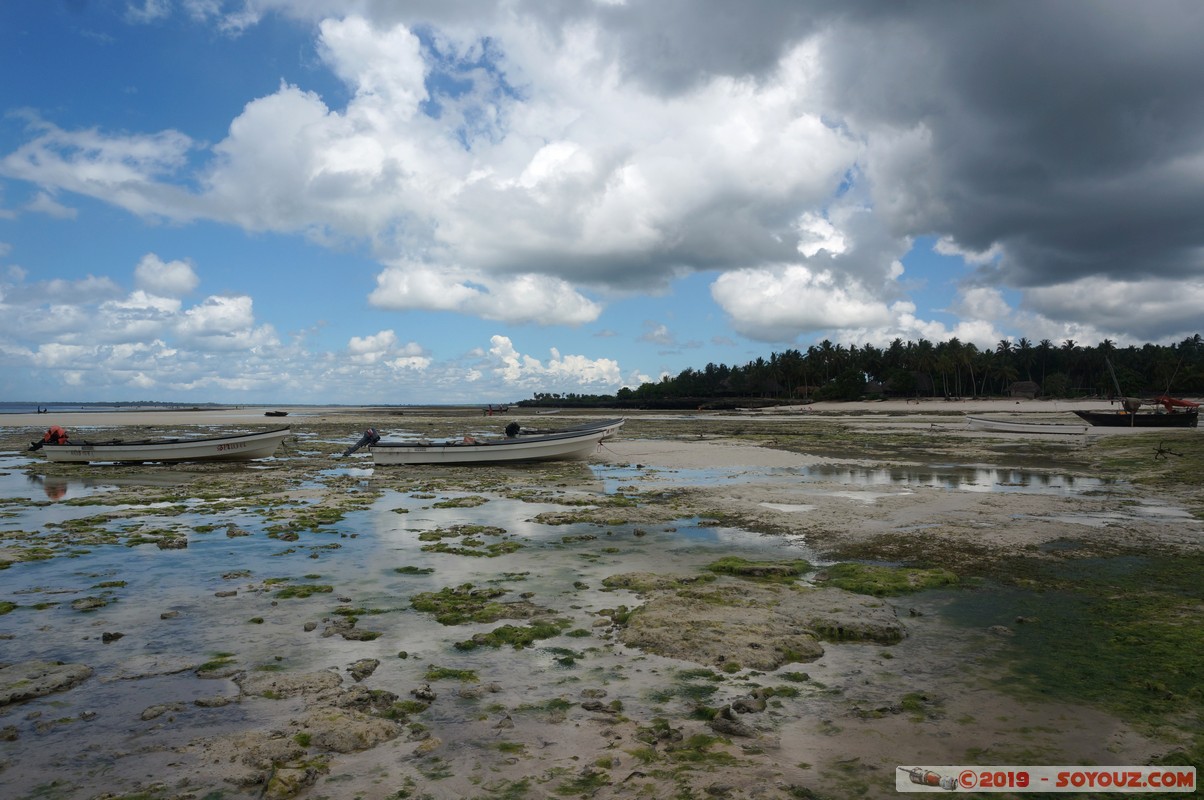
<point x="1015" y="426"/>
<point x="1123" y="419"/>
<point x="555" y="447"/>
<point x="610" y="427"/>
<point x="238" y="447"/>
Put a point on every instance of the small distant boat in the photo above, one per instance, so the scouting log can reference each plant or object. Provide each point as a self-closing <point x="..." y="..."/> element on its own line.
<point x="236" y="447"/>
<point x="566" y="446"/>
<point x="1017" y="426"/>
<point x="1175" y="413"/>
<point x="275" y="413"/>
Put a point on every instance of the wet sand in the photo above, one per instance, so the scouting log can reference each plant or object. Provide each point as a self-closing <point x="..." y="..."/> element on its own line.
<point x="178" y="706"/>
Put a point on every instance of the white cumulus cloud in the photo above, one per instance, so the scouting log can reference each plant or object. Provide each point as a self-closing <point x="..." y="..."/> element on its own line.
<point x="572" y="372"/>
<point x="777" y="304"/>
<point x="165" y="278"/>
<point x="519" y="298"/>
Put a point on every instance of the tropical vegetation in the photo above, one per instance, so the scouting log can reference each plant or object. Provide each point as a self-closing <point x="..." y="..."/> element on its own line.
<point x="952" y="369"/>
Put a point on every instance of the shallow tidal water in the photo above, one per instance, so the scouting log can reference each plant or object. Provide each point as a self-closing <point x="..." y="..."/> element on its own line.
<point x="168" y="611"/>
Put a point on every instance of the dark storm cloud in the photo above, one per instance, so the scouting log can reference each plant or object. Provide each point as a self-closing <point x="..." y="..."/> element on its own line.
<point x="671" y="46"/>
<point x="1072" y="133"/>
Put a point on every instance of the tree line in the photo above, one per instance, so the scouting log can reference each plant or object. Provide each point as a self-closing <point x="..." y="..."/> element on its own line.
<point x="952" y="369"/>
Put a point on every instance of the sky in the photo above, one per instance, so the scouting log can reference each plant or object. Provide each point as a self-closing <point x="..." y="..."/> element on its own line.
<point x="373" y="201"/>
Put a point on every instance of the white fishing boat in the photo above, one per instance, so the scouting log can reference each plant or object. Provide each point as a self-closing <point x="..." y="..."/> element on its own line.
<point x="1019" y="426"/>
<point x="234" y="447"/>
<point x="609" y="427"/>
<point x="565" y="446"/>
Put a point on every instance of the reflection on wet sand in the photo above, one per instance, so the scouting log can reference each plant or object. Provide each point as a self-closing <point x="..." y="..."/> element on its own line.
<point x="61" y="488"/>
<point x="945" y="476"/>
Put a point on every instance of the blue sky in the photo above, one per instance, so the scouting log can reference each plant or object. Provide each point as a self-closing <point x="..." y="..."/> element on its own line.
<point x="365" y="201"/>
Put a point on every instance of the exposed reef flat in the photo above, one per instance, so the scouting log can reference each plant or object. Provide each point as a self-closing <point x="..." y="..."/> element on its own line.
<point x="766" y="605"/>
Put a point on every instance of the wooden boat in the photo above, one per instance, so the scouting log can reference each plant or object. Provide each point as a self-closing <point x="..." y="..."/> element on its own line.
<point x="1019" y="426"/>
<point x="565" y="446"/>
<point x="235" y="447"/>
<point x="275" y="413"/>
<point x="1148" y="419"/>
<point x="1175" y="413"/>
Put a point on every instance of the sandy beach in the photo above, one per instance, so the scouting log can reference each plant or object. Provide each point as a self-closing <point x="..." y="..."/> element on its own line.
<point x="753" y="604"/>
<point x="152" y="418"/>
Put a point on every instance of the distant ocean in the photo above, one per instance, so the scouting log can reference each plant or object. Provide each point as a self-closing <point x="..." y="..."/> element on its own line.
<point x="33" y="408"/>
<point x="51" y="408"/>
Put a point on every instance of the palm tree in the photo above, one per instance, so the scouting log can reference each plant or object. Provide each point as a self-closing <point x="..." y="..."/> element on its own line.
<point x="1045" y="348"/>
<point x="1069" y="348"/>
<point x="944" y="363"/>
<point x="924" y="358"/>
<point x="968" y="354"/>
<point x="1024" y="353"/>
<point x="826" y="357"/>
<point x="1005" y="373"/>
<point x="986" y="366"/>
<point x="950" y="351"/>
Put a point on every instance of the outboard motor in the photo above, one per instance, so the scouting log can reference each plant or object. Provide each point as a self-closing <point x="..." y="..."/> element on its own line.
<point x="369" y="438"/>
<point x="512" y="430"/>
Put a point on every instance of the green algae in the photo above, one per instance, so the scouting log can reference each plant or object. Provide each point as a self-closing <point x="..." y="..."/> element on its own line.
<point x="434" y="673"/>
<point x="402" y="709"/>
<point x="644" y="582"/>
<point x="564" y="518"/>
<point x="1140" y="658"/>
<point x="796" y="677"/>
<point x="882" y="581"/>
<point x="555" y="706"/>
<point x="474" y="547"/>
<point x="694" y="686"/>
<point x="773" y="571"/>
<point x="18" y="554"/>
<point x="460" y="531"/>
<point x="618" y="616"/>
<point x="460" y="604"/>
<point x="586" y="784"/>
<point x="517" y="636"/>
<point x="471" y="501"/>
<point x="303" y="590"/>
<point x="469" y="544"/>
<point x="217" y="664"/>
<point x="310" y="519"/>
<point x="353" y="613"/>
<point x="411" y="570"/>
